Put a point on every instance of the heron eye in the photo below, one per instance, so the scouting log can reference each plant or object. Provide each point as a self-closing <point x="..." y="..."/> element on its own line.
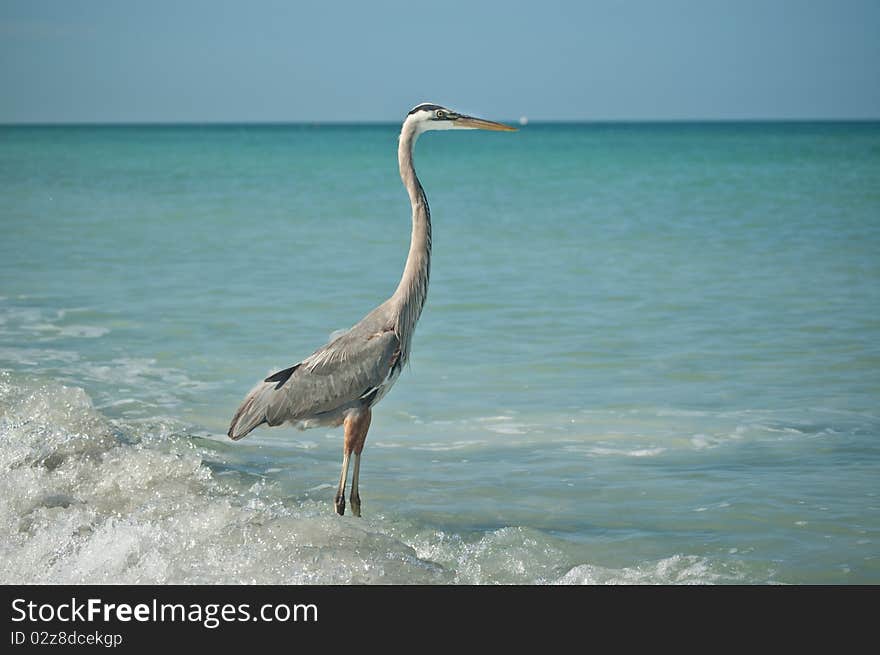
<point x="441" y="114"/>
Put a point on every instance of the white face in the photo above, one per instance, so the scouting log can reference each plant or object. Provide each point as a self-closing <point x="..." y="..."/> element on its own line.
<point x="428" y="116"/>
<point x="433" y="117"/>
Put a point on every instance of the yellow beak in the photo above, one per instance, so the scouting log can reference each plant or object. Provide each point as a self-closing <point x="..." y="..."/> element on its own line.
<point x="480" y="124"/>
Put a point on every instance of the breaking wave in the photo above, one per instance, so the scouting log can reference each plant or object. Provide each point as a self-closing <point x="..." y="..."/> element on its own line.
<point x="89" y="499"/>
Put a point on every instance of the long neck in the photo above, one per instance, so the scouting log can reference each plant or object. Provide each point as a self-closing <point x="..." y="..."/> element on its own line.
<point x="409" y="298"/>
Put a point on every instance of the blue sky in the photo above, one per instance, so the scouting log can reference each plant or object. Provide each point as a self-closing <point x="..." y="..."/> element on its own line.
<point x="161" y="61"/>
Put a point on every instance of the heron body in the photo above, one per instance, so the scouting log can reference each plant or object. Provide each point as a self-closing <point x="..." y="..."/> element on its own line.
<point x="340" y="382"/>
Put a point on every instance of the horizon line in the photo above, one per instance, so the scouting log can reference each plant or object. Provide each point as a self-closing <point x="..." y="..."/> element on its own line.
<point x="342" y="123"/>
<point x="521" y="121"/>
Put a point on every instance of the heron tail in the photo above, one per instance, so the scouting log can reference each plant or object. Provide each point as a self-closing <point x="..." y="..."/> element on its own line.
<point x="255" y="410"/>
<point x="251" y="413"/>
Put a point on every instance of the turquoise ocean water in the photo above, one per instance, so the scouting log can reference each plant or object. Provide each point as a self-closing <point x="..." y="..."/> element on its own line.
<point x="650" y="353"/>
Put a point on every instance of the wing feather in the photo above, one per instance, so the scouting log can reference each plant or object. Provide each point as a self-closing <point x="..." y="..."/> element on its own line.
<point x="341" y="374"/>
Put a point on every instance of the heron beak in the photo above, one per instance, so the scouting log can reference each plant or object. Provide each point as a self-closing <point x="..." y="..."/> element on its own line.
<point x="480" y="124"/>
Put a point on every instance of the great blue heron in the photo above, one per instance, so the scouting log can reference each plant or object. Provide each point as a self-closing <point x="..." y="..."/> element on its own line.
<point x="341" y="381"/>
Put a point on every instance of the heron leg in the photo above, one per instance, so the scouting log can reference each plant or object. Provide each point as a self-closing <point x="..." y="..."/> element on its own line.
<point x="356" y="426"/>
<point x="339" y="501"/>
<point x="355" y="496"/>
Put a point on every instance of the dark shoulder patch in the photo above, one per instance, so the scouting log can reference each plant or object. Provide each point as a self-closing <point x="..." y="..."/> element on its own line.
<point x="281" y="376"/>
<point x="368" y="396"/>
<point x="396" y="364"/>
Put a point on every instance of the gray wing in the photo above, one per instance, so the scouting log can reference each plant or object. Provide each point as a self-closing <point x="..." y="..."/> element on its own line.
<point x="342" y="374"/>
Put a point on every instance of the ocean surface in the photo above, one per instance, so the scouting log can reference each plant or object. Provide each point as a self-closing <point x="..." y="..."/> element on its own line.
<point x="650" y="354"/>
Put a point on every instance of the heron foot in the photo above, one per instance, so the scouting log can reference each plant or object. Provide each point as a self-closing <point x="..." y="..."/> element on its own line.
<point x="355" y="505"/>
<point x="339" y="503"/>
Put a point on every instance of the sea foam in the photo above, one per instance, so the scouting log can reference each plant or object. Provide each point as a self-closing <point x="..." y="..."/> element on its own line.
<point x="88" y="499"/>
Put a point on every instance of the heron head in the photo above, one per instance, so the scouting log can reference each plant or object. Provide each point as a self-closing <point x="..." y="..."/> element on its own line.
<point x="428" y="116"/>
